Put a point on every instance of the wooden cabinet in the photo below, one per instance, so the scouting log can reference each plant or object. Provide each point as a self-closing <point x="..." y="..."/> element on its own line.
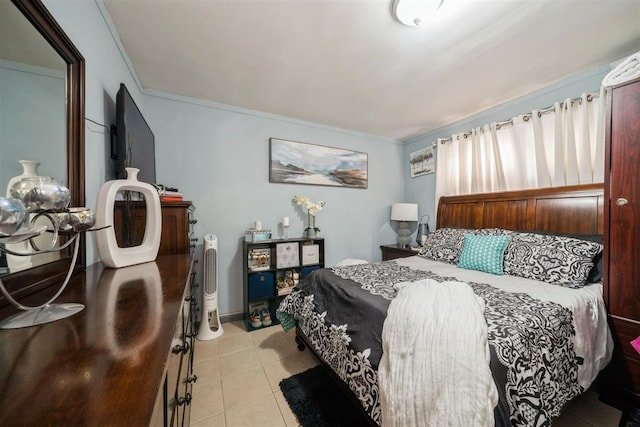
<point x="622" y="243"/>
<point x="394" y="251"/>
<point x="122" y="361"/>
<point x="176" y="226"/>
<point x="272" y="267"/>
<point x="180" y="376"/>
<point x="176" y="222"/>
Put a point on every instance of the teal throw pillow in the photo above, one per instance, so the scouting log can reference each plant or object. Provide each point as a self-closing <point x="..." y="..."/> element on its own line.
<point x="483" y="253"/>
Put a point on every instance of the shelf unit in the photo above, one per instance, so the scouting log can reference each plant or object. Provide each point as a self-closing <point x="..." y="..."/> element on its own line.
<point x="269" y="262"/>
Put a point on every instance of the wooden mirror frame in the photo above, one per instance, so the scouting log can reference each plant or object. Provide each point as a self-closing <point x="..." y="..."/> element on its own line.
<point x="28" y="281"/>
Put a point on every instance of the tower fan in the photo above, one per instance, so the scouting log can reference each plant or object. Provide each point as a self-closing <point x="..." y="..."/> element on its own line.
<point x="210" y="313"/>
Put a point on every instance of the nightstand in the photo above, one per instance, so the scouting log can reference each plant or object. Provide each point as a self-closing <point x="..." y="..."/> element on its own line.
<point x="395" y="251"/>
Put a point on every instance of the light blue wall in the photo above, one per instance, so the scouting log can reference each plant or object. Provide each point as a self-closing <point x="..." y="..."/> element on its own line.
<point x="32" y="120"/>
<point x="219" y="157"/>
<point x="421" y="189"/>
<point x="87" y="27"/>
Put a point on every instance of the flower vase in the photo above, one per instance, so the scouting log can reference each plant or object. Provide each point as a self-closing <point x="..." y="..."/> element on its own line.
<point x="110" y="253"/>
<point x="29" y="168"/>
<point x="311" y="230"/>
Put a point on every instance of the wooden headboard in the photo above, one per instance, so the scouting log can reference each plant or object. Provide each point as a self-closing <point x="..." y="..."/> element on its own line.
<point x="575" y="209"/>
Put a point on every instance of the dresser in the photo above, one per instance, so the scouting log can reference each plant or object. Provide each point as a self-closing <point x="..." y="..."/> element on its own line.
<point x="621" y="278"/>
<point x="124" y="360"/>
<point x="177" y="219"/>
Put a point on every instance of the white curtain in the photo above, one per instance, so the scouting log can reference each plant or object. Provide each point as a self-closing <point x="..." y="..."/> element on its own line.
<point x="563" y="145"/>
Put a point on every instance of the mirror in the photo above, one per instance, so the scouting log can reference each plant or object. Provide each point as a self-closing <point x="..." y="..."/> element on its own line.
<point x="42" y="93"/>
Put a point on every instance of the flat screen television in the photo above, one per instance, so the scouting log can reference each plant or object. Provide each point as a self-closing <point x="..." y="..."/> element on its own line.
<point x="134" y="143"/>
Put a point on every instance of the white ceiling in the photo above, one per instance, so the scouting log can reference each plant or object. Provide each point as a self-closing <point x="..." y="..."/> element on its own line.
<point x="349" y="64"/>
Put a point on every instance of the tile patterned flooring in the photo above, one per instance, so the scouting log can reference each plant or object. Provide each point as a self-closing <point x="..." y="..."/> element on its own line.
<point x="238" y="377"/>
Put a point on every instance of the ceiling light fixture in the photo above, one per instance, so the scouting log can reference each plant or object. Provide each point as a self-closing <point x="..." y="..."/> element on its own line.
<point x="413" y="12"/>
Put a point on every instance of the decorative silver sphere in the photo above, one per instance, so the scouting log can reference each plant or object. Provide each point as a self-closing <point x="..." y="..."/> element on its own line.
<point x="76" y="219"/>
<point x="41" y="192"/>
<point x="12" y="215"/>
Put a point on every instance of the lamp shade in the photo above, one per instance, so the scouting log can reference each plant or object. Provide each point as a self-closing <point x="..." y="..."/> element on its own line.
<point x="404" y="212"/>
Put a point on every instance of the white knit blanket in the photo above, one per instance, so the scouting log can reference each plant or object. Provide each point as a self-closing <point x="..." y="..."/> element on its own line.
<point x="434" y="369"/>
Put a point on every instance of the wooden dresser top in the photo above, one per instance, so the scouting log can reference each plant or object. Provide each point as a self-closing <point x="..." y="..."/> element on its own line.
<point x="104" y="365"/>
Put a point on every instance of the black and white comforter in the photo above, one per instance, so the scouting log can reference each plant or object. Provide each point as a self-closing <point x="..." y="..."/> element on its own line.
<point x="541" y="355"/>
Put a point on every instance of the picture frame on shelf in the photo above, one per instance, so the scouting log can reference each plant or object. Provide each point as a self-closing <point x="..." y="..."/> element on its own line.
<point x="259" y="259"/>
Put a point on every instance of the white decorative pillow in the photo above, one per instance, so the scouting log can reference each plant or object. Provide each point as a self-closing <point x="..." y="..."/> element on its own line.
<point x="552" y="259"/>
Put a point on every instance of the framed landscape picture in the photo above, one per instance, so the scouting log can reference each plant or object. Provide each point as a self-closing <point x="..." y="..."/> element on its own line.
<point x="422" y="162"/>
<point x="294" y="162"/>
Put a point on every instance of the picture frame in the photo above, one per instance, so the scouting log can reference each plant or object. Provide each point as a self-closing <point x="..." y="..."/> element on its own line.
<point x="293" y="162"/>
<point x="422" y="162"/>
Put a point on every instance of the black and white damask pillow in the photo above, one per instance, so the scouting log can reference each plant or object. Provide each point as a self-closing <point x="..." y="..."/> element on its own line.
<point x="445" y="244"/>
<point x="552" y="259"/>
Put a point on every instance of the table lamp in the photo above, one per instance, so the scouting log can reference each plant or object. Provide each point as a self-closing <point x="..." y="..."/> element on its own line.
<point x="404" y="212"/>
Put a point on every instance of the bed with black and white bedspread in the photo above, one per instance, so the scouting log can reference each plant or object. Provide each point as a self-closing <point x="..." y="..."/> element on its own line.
<point x="547" y="342"/>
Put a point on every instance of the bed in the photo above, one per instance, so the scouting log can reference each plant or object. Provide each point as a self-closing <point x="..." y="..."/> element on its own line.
<point x="545" y="332"/>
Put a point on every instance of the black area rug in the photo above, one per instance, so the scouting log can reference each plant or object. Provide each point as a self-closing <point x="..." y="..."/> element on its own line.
<point x="316" y="400"/>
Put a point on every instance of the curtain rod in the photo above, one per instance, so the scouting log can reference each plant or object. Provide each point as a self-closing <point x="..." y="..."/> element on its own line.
<point x="525" y="117"/>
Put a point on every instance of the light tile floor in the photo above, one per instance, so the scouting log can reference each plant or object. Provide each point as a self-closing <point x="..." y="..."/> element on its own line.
<point x="238" y="377"/>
